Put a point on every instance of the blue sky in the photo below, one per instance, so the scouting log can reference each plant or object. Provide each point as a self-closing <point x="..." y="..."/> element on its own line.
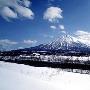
<point x="38" y="23"/>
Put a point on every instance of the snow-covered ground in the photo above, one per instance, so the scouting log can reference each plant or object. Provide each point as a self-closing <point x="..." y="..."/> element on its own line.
<point x="22" y="77"/>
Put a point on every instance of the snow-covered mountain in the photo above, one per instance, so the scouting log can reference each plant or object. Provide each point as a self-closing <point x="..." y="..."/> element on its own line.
<point x="65" y="45"/>
<point x="64" y="42"/>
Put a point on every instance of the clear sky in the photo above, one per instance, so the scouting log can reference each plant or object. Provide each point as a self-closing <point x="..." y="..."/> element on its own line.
<point x="25" y="23"/>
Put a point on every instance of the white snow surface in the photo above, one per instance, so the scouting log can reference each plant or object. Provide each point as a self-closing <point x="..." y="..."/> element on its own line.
<point x="23" y="77"/>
